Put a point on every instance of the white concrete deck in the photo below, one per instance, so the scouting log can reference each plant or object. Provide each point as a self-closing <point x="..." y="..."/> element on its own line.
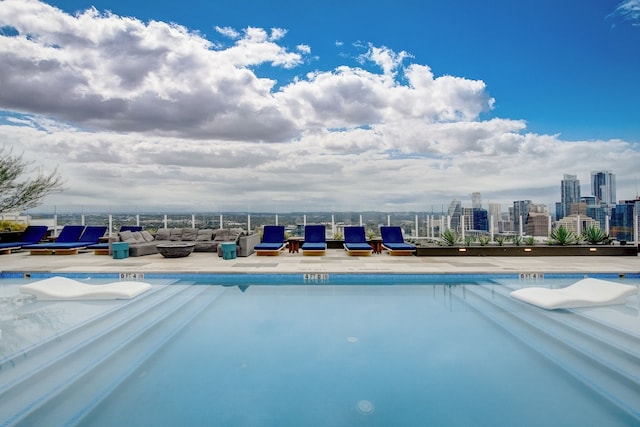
<point x="335" y="261"/>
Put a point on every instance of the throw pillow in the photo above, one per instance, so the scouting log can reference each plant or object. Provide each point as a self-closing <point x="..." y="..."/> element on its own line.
<point x="147" y="236"/>
<point x="127" y="236"/>
<point x="138" y="236"/>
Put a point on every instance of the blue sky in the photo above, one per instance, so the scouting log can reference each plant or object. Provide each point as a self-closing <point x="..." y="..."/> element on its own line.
<point x="563" y="67"/>
<point x="519" y="93"/>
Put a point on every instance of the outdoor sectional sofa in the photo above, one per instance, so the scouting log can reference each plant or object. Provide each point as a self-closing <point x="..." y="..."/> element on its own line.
<point x="206" y="240"/>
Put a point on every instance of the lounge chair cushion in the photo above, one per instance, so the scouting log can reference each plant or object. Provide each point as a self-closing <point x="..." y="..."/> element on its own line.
<point x="584" y="293"/>
<point x="70" y="233"/>
<point x="33" y="234"/>
<point x="400" y="246"/>
<point x="358" y="246"/>
<point x="309" y="246"/>
<point x="314" y="234"/>
<point x="391" y="234"/>
<point x="266" y="246"/>
<point x="62" y="288"/>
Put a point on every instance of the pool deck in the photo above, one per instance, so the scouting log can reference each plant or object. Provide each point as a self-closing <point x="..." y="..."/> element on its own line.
<point x="335" y="261"/>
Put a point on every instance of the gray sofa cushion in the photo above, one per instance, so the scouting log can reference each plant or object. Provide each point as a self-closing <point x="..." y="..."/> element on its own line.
<point x="163" y="234"/>
<point x="222" y="235"/>
<point x="138" y="236"/>
<point x="127" y="236"/>
<point x="204" y="235"/>
<point x="147" y="236"/>
<point x="189" y="234"/>
<point x="176" y="234"/>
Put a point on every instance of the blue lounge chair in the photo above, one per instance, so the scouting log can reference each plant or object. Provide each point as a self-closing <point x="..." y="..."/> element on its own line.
<point x="90" y="236"/>
<point x="315" y="240"/>
<point x="393" y="241"/>
<point x="355" y="242"/>
<point x="30" y="236"/>
<point x="272" y="241"/>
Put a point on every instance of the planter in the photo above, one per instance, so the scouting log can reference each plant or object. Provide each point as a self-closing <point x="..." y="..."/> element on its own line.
<point x="542" y="250"/>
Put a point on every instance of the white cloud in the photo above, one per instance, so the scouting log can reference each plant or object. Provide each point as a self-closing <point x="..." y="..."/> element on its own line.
<point x="387" y="59"/>
<point x="116" y="102"/>
<point x="228" y="32"/>
<point x="630" y="10"/>
<point x="303" y="48"/>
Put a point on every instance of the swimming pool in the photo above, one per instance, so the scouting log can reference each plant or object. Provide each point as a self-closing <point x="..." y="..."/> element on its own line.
<point x="360" y="350"/>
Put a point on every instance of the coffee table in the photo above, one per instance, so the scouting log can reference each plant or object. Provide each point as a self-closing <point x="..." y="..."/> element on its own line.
<point x="175" y="250"/>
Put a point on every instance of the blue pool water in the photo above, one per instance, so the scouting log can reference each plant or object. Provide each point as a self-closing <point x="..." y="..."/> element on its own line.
<point x="327" y="354"/>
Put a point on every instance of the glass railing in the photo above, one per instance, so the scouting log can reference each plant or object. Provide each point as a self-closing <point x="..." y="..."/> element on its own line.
<point x="416" y="225"/>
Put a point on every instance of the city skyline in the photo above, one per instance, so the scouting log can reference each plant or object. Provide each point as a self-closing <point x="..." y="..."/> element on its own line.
<point x="306" y="106"/>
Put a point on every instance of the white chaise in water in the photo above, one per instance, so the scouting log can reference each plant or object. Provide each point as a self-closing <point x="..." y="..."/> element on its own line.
<point x="587" y="292"/>
<point x="62" y="288"/>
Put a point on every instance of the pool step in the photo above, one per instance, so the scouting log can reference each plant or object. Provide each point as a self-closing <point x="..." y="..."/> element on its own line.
<point x="81" y="369"/>
<point x="83" y="330"/>
<point x="603" y="358"/>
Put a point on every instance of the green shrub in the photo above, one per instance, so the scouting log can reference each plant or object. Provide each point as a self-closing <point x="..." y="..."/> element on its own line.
<point x="468" y="240"/>
<point x="484" y="240"/>
<point x="594" y="235"/>
<point x="450" y="237"/>
<point x="530" y="241"/>
<point x="563" y="236"/>
<point x="11" y="226"/>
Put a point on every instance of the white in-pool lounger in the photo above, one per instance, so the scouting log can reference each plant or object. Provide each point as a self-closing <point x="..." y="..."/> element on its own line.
<point x="584" y="293"/>
<point x="62" y="288"/>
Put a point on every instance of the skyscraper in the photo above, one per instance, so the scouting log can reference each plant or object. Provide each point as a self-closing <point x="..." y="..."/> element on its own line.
<point x="476" y="200"/>
<point x="569" y="192"/>
<point x="520" y="210"/>
<point x="603" y="187"/>
<point x="455" y="211"/>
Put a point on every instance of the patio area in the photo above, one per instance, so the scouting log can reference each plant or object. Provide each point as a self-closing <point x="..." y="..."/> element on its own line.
<point x="335" y="261"/>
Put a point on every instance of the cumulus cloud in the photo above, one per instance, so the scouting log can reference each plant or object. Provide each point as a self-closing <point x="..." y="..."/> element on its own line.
<point x="173" y="117"/>
<point x="629" y="10"/>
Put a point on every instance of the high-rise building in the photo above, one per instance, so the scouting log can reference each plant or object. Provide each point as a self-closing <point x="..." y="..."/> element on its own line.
<point x="455" y="212"/>
<point x="537" y="224"/>
<point x="495" y="210"/>
<point x="622" y="220"/>
<point x="558" y="211"/>
<point x="603" y="187"/>
<point x="520" y="210"/>
<point x="480" y="219"/>
<point x="569" y="193"/>
<point x="476" y="200"/>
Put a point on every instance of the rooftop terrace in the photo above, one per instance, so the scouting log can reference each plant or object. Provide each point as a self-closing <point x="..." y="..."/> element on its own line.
<point x="335" y="261"/>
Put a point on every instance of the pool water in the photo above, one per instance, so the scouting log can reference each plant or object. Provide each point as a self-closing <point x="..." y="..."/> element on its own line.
<point x="335" y="355"/>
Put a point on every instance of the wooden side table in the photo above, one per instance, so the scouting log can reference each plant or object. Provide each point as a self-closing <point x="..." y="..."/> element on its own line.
<point x="294" y="244"/>
<point x="376" y="244"/>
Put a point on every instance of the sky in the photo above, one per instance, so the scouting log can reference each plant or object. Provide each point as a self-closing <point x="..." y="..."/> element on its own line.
<point x="335" y="105"/>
